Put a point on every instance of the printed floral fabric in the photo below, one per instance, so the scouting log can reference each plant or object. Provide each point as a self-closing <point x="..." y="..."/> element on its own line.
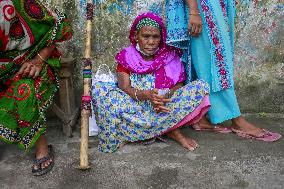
<point x="122" y="119"/>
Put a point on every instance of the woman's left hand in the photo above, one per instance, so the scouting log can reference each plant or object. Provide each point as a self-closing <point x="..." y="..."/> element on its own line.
<point x="31" y="68"/>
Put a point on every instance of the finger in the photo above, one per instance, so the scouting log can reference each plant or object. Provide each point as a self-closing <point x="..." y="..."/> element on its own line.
<point x="200" y="30"/>
<point x="194" y="31"/>
<point x="157" y="110"/>
<point x="158" y="98"/>
<point x="190" y="29"/>
<point x="21" y="71"/>
<point x="165" y="100"/>
<point x="164" y="109"/>
<point x="195" y="144"/>
<point x="37" y="72"/>
<point x="155" y="91"/>
<point x="32" y="71"/>
<point x="197" y="28"/>
<point x="26" y="71"/>
<point x="157" y="103"/>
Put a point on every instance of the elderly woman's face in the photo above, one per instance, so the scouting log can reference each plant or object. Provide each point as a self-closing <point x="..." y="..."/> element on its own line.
<point x="149" y="39"/>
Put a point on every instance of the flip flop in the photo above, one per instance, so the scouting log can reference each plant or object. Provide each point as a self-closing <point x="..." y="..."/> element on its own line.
<point x="265" y="136"/>
<point x="162" y="139"/>
<point x="217" y="129"/>
<point x="148" y="141"/>
<point x="38" y="162"/>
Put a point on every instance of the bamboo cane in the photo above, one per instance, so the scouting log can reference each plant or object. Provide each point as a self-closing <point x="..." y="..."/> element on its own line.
<point x="85" y="113"/>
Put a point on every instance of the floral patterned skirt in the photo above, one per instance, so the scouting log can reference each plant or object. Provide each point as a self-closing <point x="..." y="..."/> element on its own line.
<point x="122" y="119"/>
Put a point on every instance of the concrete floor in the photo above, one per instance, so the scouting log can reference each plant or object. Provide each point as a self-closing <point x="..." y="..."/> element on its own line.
<point x="222" y="161"/>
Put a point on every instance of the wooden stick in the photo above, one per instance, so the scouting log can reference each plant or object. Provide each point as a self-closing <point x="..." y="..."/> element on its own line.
<point x="85" y="114"/>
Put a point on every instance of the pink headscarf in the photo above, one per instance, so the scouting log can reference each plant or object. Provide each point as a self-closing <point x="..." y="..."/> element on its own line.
<point x="166" y="66"/>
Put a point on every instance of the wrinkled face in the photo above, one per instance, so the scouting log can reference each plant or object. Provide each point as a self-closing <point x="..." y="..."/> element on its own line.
<point x="149" y="39"/>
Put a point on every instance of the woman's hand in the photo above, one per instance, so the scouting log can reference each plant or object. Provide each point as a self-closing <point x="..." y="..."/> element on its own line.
<point x="195" y="24"/>
<point x="31" y="68"/>
<point x="157" y="101"/>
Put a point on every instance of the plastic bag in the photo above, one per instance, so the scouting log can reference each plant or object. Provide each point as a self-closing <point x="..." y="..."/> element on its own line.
<point x="103" y="75"/>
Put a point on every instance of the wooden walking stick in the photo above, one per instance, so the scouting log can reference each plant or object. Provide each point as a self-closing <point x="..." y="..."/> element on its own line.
<point x="86" y="98"/>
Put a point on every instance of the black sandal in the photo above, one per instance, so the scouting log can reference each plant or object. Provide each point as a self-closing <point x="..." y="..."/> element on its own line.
<point x="38" y="162"/>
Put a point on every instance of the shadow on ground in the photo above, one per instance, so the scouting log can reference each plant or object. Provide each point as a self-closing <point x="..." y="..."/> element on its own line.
<point x="222" y="161"/>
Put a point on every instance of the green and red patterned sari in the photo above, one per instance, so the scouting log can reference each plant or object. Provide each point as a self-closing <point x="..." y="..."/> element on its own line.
<point x="26" y="27"/>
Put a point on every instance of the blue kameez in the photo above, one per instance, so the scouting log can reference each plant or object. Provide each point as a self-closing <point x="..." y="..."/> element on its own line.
<point x="211" y="55"/>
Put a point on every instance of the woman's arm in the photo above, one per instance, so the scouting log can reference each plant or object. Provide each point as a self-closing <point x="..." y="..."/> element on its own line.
<point x="193" y="6"/>
<point x="124" y="84"/>
<point x="195" y="22"/>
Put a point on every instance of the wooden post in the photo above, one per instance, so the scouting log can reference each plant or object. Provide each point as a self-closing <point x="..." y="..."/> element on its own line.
<point x="86" y="103"/>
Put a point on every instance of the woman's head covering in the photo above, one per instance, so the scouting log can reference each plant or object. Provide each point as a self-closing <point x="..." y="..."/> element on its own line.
<point x="147" y="22"/>
<point x="148" y="15"/>
<point x="166" y="64"/>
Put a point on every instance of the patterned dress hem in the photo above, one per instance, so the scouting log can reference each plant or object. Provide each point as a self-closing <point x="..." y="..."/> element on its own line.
<point x="194" y="116"/>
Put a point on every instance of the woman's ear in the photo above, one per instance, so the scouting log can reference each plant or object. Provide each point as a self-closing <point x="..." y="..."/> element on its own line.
<point x="136" y="36"/>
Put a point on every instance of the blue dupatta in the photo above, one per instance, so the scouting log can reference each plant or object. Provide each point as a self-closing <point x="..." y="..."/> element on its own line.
<point x="218" y="23"/>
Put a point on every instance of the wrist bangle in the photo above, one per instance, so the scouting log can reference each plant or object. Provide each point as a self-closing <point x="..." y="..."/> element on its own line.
<point x="40" y="57"/>
<point x="194" y="14"/>
<point x="136" y="90"/>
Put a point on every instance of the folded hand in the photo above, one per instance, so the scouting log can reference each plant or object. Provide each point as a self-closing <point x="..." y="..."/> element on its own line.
<point x="159" y="101"/>
<point x="31" y="68"/>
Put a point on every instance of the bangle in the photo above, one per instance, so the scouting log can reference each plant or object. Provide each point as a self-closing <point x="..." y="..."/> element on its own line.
<point x="195" y="14"/>
<point x="40" y="57"/>
<point x="136" y="95"/>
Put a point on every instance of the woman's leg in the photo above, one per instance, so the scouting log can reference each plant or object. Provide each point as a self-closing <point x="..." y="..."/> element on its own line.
<point x="185" y="141"/>
<point x="42" y="151"/>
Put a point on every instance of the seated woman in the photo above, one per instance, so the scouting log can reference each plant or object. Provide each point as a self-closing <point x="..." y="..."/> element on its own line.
<point x="136" y="110"/>
<point x="29" y="65"/>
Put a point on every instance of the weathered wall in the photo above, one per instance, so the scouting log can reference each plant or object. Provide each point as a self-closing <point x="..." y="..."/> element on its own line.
<point x="259" y="65"/>
<point x="259" y="53"/>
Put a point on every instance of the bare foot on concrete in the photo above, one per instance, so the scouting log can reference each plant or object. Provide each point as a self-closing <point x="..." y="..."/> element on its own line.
<point x="186" y="142"/>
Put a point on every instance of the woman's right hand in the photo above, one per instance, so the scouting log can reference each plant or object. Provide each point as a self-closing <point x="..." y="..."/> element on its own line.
<point x="31" y="68"/>
<point x="195" y="25"/>
<point x="158" y="102"/>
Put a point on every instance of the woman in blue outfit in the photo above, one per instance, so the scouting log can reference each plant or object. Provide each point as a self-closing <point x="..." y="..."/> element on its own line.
<point x="204" y="30"/>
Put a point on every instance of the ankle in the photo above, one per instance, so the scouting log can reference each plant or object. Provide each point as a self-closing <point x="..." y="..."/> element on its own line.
<point x="176" y="135"/>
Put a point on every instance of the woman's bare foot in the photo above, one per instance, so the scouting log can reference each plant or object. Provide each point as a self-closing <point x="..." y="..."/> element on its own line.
<point x="186" y="142"/>
<point x="241" y="124"/>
